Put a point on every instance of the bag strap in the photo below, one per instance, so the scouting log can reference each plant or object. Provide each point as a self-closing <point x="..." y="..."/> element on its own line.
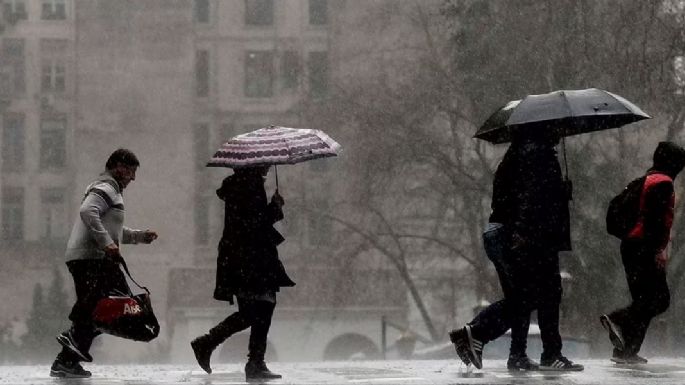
<point x="123" y="263"/>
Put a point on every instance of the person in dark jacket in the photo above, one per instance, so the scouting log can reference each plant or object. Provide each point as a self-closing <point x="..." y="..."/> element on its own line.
<point x="248" y="268"/>
<point x="645" y="257"/>
<point x="528" y="227"/>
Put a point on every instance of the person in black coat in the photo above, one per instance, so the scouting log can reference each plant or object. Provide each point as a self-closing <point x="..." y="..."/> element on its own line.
<point x="528" y="227"/>
<point x="248" y="268"/>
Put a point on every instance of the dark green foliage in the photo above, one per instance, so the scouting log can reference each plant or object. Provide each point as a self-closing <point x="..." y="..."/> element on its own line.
<point x="47" y="318"/>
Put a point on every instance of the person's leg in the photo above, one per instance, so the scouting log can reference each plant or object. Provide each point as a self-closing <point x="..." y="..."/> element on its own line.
<point x="520" y="299"/>
<point x="76" y="343"/>
<point x="204" y="345"/>
<point x="261" y="322"/>
<point x="649" y="293"/>
<point x="549" y="299"/>
<point x="652" y="300"/>
<point x="261" y="312"/>
<point x="493" y="321"/>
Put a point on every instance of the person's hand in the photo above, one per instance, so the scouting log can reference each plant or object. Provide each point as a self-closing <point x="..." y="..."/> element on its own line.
<point x="661" y="260"/>
<point x="149" y="236"/>
<point x="277" y="199"/>
<point x="112" y="251"/>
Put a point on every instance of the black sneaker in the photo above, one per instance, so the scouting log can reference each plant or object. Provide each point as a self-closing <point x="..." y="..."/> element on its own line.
<point x="67" y="340"/>
<point x="522" y="363"/>
<point x="561" y="364"/>
<point x="460" y="341"/>
<point x="615" y="334"/>
<point x="474" y="348"/>
<point x="68" y="370"/>
<point x="257" y="370"/>
<point x="203" y="352"/>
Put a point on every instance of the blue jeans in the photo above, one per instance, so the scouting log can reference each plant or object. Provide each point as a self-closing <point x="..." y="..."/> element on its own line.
<point x="496" y="319"/>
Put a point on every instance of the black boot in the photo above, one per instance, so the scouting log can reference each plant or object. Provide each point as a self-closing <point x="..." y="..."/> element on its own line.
<point x="257" y="370"/>
<point x="203" y="347"/>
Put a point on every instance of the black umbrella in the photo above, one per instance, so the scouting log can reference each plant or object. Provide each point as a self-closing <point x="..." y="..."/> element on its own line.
<point x="571" y="112"/>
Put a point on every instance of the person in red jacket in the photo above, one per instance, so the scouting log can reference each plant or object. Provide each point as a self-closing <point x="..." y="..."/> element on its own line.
<point x="645" y="257"/>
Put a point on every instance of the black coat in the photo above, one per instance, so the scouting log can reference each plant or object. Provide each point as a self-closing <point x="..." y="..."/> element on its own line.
<point x="248" y="257"/>
<point x="530" y="198"/>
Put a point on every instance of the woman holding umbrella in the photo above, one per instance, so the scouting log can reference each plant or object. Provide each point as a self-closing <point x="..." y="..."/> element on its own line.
<point x="248" y="267"/>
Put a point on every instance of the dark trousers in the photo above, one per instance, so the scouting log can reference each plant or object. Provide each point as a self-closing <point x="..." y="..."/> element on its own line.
<point x="94" y="279"/>
<point x="649" y="291"/>
<point x="531" y="282"/>
<point x="493" y="321"/>
<point x="254" y="314"/>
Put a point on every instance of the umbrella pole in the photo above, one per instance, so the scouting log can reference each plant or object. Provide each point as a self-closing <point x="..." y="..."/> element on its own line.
<point x="567" y="182"/>
<point x="276" y="171"/>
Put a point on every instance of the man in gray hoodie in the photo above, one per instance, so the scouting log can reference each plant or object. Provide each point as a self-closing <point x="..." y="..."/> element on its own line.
<point x="93" y="258"/>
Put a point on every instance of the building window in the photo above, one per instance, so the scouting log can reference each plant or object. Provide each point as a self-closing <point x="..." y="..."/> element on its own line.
<point x="53" y="143"/>
<point x="14" y="10"/>
<point x="290" y="69"/>
<point x="54" y="10"/>
<point x="259" y="74"/>
<point x="202" y="73"/>
<point x="318" y="12"/>
<point x="201" y="11"/>
<point x="13" y="135"/>
<point x="318" y="73"/>
<point x="53" y="212"/>
<point x="13" y="213"/>
<point x="259" y="12"/>
<point x="53" y="65"/>
<point x="14" y="65"/>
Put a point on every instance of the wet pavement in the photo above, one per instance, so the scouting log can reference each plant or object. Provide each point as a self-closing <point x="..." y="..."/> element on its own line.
<point x="658" y="371"/>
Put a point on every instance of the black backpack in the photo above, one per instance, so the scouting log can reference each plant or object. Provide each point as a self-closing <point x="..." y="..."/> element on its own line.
<point x="624" y="209"/>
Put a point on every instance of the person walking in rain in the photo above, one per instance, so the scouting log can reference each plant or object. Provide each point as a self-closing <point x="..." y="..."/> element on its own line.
<point x="93" y="258"/>
<point x="644" y="254"/>
<point x="528" y="227"/>
<point x="248" y="268"/>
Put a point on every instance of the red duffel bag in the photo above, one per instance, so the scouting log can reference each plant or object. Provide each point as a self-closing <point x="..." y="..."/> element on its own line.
<point x="127" y="315"/>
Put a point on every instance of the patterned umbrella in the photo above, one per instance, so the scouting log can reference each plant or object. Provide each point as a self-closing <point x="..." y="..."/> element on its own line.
<point x="274" y="145"/>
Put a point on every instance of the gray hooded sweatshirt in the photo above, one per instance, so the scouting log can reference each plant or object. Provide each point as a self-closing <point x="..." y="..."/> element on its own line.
<point x="101" y="221"/>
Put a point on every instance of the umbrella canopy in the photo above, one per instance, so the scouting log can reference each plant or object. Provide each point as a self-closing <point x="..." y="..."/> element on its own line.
<point x="274" y="145"/>
<point x="571" y="111"/>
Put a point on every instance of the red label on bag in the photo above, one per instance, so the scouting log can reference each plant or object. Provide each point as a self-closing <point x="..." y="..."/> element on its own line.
<point x="110" y="308"/>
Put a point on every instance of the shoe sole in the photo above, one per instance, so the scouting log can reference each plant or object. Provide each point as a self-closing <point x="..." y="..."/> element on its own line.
<point x="474" y="360"/>
<point x="553" y="369"/>
<point x="614" y="335"/>
<point x="624" y="361"/>
<point x="62" y="374"/>
<point x="66" y="342"/>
